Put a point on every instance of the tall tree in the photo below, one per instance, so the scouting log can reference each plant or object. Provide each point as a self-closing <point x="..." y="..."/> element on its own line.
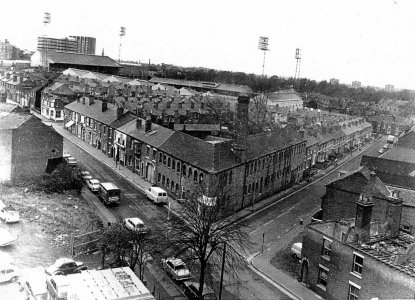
<point x="200" y="232"/>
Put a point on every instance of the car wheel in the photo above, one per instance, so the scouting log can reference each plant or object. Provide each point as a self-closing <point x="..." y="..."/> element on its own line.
<point x="13" y="279"/>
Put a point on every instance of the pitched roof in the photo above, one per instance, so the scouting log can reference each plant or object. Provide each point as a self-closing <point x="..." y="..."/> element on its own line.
<point x="407" y="141"/>
<point x="156" y="137"/>
<point x="14" y="120"/>
<point x="401" y="154"/>
<point x="94" y="111"/>
<point x="387" y="165"/>
<point x="362" y="181"/>
<point x="284" y="95"/>
<point x="80" y="59"/>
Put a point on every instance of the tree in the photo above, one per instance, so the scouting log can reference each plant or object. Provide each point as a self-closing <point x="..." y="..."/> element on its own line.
<point x="125" y="247"/>
<point x="200" y="232"/>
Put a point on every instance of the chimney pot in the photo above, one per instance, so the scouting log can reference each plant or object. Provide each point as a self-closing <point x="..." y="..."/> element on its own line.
<point x="139" y="123"/>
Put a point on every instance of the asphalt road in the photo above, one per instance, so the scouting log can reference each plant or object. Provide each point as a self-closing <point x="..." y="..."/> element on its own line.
<point x="269" y="230"/>
<point x="134" y="204"/>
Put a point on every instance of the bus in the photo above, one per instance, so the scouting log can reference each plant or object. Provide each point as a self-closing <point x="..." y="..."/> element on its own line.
<point x="109" y="193"/>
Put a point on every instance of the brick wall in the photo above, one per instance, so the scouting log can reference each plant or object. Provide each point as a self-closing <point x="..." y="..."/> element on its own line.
<point x="33" y="144"/>
<point x="377" y="279"/>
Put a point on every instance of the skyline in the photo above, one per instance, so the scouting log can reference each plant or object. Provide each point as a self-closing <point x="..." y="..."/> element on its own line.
<point x="349" y="40"/>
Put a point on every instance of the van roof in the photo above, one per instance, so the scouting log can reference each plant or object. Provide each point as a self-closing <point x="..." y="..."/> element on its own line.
<point x="108" y="185"/>
<point x="157" y="189"/>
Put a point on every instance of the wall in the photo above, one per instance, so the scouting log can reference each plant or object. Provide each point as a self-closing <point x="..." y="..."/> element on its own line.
<point x="6" y="154"/>
<point x="33" y="144"/>
<point x="377" y="279"/>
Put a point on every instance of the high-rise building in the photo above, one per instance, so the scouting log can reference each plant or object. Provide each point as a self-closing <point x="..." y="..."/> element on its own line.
<point x="356" y="84"/>
<point x="389" y="88"/>
<point x="86" y="44"/>
<point x="74" y="44"/>
<point x="334" y="81"/>
<point x="65" y="44"/>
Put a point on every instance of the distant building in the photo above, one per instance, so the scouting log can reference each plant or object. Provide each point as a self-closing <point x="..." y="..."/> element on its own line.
<point x="9" y="52"/>
<point x="53" y="44"/>
<point x="285" y="98"/>
<point x="334" y="81"/>
<point x="64" y="60"/>
<point x="26" y="146"/>
<point x="86" y="45"/>
<point x="389" y="88"/>
<point x="356" y="84"/>
<point x="389" y="124"/>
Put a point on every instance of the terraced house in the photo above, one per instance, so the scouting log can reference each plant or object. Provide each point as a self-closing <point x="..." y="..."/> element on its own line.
<point x="181" y="163"/>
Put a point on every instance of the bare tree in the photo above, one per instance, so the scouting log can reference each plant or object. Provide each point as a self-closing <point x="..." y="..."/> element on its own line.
<point x="125" y="247"/>
<point x="201" y="230"/>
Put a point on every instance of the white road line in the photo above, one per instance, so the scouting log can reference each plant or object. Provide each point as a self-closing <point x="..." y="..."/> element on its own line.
<point x="272" y="220"/>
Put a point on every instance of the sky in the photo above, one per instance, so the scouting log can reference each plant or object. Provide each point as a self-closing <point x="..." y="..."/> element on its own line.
<point x="371" y="41"/>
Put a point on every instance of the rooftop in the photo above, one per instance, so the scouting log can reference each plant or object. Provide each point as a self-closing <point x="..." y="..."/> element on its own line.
<point x="80" y="59"/>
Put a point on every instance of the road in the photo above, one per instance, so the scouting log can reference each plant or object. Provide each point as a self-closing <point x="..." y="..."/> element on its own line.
<point x="275" y="227"/>
<point x="134" y="204"/>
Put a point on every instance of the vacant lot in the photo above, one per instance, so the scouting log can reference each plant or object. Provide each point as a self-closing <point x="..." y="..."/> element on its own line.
<point x="47" y="221"/>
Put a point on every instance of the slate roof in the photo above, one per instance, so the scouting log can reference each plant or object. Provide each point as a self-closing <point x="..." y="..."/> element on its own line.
<point x="14" y="120"/>
<point x="387" y="165"/>
<point x="94" y="111"/>
<point x="407" y="141"/>
<point x="362" y="181"/>
<point x="400" y="154"/>
<point x="156" y="137"/>
<point x="80" y="59"/>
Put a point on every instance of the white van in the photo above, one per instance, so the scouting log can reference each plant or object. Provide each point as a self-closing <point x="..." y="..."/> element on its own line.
<point x="157" y="195"/>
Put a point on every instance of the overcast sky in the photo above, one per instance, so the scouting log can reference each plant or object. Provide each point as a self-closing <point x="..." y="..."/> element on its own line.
<point x="369" y="41"/>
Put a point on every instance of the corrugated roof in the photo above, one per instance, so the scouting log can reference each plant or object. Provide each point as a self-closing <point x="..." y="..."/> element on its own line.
<point x="80" y="59"/>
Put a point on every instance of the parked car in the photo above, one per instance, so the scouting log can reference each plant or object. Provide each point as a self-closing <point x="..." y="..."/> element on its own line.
<point x="71" y="161"/>
<point x="65" y="266"/>
<point x="6" y="239"/>
<point x="382" y="150"/>
<point x="296" y="250"/>
<point x="176" y="268"/>
<point x="135" y="224"/>
<point x="93" y="184"/>
<point x="8" y="214"/>
<point x="192" y="288"/>
<point x="156" y="194"/>
<point x="8" y="273"/>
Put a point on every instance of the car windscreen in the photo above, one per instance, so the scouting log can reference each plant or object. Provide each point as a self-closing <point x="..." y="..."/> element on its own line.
<point x="113" y="193"/>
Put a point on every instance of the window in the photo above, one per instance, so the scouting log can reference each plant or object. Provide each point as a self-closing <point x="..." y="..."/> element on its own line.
<point x="148" y="151"/>
<point x="326" y="248"/>
<point x="163" y="180"/>
<point x="164" y="159"/>
<point x="159" y="177"/>
<point x="354" y="290"/>
<point x="200" y="177"/>
<point x="357" y="264"/>
<point x="184" y="170"/>
<point x="189" y="172"/>
<point x="168" y="183"/>
<point x="178" y="167"/>
<point x="154" y="154"/>
<point x="230" y="177"/>
<point x="169" y="162"/>
<point x="323" y="274"/>
<point x="160" y="157"/>
<point x="173" y="164"/>
<point x="195" y="176"/>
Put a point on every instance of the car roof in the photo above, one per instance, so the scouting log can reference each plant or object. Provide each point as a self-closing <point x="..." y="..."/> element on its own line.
<point x="64" y="260"/>
<point x="206" y="288"/>
<point x="94" y="181"/>
<point x="136" y="220"/>
<point x="176" y="261"/>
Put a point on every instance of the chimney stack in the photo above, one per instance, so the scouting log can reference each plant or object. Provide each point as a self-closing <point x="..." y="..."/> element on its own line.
<point x="91" y="99"/>
<point x="363" y="217"/>
<point x="242" y="116"/>
<point x="14" y="78"/>
<point x="120" y="110"/>
<point x="393" y="214"/>
<point x="8" y="75"/>
<point x="138" y="123"/>
<point x="104" y="106"/>
<point x="148" y="125"/>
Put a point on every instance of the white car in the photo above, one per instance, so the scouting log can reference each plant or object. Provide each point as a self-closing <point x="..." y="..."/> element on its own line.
<point x="71" y="161"/>
<point x="176" y="268"/>
<point x="135" y="224"/>
<point x="8" y="214"/>
<point x="86" y="176"/>
<point x="93" y="184"/>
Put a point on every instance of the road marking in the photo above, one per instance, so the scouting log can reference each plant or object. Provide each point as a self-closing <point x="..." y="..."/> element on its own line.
<point x="272" y="220"/>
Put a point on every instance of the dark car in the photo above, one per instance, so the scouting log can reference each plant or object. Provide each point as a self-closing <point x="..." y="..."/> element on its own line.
<point x="65" y="266"/>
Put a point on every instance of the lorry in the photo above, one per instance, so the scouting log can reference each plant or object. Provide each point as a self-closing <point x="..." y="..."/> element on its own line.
<point x="109" y="193"/>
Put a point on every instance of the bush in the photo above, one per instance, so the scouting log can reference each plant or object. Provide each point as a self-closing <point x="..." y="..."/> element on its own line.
<point x="63" y="178"/>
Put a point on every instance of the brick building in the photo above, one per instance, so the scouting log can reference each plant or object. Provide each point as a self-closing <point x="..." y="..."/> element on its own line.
<point x="389" y="124"/>
<point x="26" y="145"/>
<point x="358" y="251"/>
<point x="180" y="162"/>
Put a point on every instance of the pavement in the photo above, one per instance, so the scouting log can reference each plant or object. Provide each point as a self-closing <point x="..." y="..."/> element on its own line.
<point x="260" y="263"/>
